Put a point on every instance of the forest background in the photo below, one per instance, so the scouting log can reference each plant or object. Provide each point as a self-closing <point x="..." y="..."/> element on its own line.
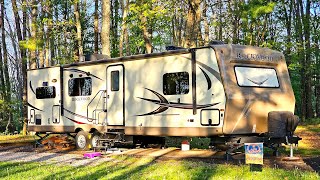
<point x="42" y="33"/>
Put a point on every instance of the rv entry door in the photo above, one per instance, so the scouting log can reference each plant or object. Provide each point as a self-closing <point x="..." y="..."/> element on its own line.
<point x="115" y="95"/>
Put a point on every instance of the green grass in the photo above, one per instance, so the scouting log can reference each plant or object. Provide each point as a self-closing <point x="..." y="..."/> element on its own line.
<point x="312" y="121"/>
<point x="17" y="138"/>
<point x="312" y="128"/>
<point x="125" y="167"/>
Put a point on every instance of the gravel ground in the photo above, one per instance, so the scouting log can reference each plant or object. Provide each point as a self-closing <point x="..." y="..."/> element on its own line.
<point x="52" y="158"/>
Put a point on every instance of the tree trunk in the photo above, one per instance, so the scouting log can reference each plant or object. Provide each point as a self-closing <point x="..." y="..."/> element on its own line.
<point x="301" y="58"/>
<point x="50" y="39"/>
<point x="288" y="17"/>
<point x="124" y="30"/>
<point x="5" y="65"/>
<point x="317" y="79"/>
<point x="193" y="21"/>
<point x="24" y="70"/>
<point x="105" y="31"/>
<point x="2" y="82"/>
<point x="315" y="28"/>
<point x="205" y="22"/>
<point x="79" y="31"/>
<point x="5" y="55"/>
<point x="34" y="13"/>
<point x="115" y="21"/>
<point x="146" y="35"/>
<point x="307" y="30"/>
<point x="96" y="26"/>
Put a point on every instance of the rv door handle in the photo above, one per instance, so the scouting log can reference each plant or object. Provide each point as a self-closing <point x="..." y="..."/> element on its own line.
<point x="108" y="96"/>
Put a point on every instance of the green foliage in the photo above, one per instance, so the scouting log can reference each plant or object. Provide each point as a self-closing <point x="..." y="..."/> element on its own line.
<point x="158" y="19"/>
<point x="195" y="142"/>
<point x="31" y="44"/>
<point x="5" y="106"/>
<point x="313" y="121"/>
<point x="256" y="8"/>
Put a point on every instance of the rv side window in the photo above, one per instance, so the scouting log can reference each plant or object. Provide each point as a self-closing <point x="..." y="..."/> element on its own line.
<point x="176" y="83"/>
<point x="80" y="86"/>
<point x="256" y="77"/>
<point x="114" y="80"/>
<point x="45" y="92"/>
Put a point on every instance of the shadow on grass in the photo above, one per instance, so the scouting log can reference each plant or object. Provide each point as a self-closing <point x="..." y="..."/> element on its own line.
<point x="313" y="162"/>
<point x="6" y="168"/>
<point x="126" y="170"/>
<point x="87" y="171"/>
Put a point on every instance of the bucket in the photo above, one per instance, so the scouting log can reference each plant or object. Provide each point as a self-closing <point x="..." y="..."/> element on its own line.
<point x="185" y="145"/>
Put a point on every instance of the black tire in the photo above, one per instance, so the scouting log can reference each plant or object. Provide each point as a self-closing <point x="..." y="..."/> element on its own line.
<point x="95" y="136"/>
<point x="277" y="122"/>
<point x="82" y="140"/>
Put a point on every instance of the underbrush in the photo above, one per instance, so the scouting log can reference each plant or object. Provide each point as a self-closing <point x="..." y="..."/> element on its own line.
<point x="195" y="142"/>
<point x="312" y="121"/>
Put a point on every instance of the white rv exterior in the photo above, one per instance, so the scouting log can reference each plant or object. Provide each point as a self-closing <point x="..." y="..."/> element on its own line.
<point x="188" y="92"/>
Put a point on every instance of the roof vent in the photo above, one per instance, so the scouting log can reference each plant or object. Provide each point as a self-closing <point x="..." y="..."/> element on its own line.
<point x="172" y="48"/>
<point x="95" y="57"/>
<point x="215" y="42"/>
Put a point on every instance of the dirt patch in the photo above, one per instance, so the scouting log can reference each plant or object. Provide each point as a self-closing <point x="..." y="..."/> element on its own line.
<point x="310" y="139"/>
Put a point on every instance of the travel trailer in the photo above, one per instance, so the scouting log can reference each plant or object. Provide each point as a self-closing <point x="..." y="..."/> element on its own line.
<point x="230" y="93"/>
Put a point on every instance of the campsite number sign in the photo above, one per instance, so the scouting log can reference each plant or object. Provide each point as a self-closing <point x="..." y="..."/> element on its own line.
<point x="254" y="153"/>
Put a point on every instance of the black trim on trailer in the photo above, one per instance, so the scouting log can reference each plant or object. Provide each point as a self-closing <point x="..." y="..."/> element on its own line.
<point x="32" y="119"/>
<point x="30" y="85"/>
<point x="82" y="72"/>
<point x="123" y="86"/>
<point x="34" y="107"/>
<point x="215" y="73"/>
<point x="209" y="110"/>
<point x="193" y="78"/>
<point x="61" y="91"/>
<point x="58" y="121"/>
<point x="207" y="78"/>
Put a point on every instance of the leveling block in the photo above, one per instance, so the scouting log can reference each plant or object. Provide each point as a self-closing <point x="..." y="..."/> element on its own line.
<point x="91" y="154"/>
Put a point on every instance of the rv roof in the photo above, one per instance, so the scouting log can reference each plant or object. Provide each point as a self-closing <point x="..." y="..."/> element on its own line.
<point x="237" y="52"/>
<point x="128" y="58"/>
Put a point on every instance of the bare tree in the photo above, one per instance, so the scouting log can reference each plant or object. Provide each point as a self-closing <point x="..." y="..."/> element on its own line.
<point x="193" y="22"/>
<point x="96" y="26"/>
<point x="124" y="31"/>
<point x="105" y="31"/>
<point x="78" y="26"/>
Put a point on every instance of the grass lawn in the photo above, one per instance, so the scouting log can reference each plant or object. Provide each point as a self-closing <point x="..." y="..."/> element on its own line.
<point x="18" y="138"/>
<point x="125" y="167"/>
<point x="310" y="143"/>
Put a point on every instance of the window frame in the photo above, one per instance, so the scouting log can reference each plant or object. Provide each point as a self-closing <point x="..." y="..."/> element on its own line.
<point x="43" y="87"/>
<point x="117" y="72"/>
<point x="235" y="73"/>
<point x="163" y="83"/>
<point x="78" y="87"/>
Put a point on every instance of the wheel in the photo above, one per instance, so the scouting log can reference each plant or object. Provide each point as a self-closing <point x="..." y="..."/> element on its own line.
<point x="82" y="140"/>
<point x="95" y="136"/>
